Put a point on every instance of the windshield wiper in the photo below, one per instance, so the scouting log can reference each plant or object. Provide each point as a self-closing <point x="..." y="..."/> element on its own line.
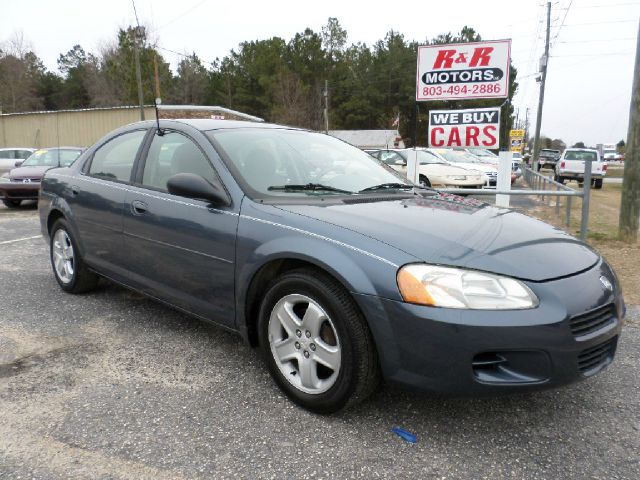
<point x="387" y="186"/>
<point x="307" y="186"/>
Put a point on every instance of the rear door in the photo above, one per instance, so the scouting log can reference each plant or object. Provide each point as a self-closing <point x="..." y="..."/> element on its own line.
<point x="181" y="250"/>
<point x="97" y="196"/>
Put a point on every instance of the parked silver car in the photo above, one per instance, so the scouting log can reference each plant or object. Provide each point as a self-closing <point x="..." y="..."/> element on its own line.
<point x="13" y="157"/>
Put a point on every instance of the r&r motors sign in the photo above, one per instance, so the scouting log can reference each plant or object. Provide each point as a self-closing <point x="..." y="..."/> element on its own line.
<point x="463" y="71"/>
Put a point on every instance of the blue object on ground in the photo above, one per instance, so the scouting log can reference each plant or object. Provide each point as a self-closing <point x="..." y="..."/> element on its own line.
<point x="409" y="437"/>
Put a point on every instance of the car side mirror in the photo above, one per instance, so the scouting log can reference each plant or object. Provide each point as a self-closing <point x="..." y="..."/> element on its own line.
<point x="18" y="163"/>
<point x="401" y="163"/>
<point x="191" y="185"/>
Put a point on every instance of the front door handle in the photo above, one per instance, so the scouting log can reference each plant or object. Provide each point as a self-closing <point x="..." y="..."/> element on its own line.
<point x="138" y="207"/>
<point x="74" y="190"/>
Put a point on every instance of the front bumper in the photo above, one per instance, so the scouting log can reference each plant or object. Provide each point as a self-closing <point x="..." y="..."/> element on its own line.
<point x="487" y="352"/>
<point x="19" y="190"/>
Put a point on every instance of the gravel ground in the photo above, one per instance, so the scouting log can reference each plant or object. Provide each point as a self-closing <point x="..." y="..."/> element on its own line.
<point x="111" y="385"/>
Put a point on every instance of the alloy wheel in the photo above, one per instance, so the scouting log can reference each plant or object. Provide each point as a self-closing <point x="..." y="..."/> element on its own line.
<point x="304" y="344"/>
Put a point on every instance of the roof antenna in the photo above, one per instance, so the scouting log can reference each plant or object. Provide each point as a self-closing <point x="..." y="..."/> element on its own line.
<point x="157" y="101"/>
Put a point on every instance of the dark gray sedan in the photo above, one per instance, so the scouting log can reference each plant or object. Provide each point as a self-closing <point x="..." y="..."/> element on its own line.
<point x="341" y="271"/>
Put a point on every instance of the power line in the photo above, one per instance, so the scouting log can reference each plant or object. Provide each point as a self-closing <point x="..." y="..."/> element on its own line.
<point x="593" y="54"/>
<point x="608" y="5"/>
<point x="135" y="12"/>
<point x="186" y="12"/>
<point x="562" y="24"/>
<point x="597" y="41"/>
<point x="599" y="23"/>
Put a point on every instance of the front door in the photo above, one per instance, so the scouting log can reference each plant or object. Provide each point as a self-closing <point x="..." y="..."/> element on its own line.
<point x="180" y="249"/>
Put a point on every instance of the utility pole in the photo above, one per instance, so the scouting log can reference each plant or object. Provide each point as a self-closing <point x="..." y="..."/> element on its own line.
<point x="544" y="61"/>
<point x="326" y="107"/>
<point x="137" y="36"/>
<point x="630" y="203"/>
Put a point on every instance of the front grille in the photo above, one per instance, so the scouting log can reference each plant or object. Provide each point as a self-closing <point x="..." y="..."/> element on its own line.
<point x="593" y="359"/>
<point x="592" y="321"/>
<point x="22" y="180"/>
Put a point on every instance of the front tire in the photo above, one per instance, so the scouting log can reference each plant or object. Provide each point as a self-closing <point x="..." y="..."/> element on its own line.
<point x="317" y="346"/>
<point x="70" y="271"/>
<point x="424" y="181"/>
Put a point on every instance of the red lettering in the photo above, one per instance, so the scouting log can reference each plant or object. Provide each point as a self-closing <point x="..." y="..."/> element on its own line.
<point x="487" y="131"/>
<point x="454" y="138"/>
<point x="444" y="59"/>
<point x="432" y="141"/>
<point x="481" y="56"/>
<point x="472" y="136"/>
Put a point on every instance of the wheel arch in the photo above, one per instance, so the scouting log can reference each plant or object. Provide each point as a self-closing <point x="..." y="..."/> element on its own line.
<point x="247" y="305"/>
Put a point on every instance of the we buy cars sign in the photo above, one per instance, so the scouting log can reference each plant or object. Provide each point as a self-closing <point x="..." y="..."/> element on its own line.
<point x="478" y="127"/>
<point x="463" y="71"/>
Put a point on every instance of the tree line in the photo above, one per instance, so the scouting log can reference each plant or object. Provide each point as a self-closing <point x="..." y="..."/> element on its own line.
<point x="280" y="80"/>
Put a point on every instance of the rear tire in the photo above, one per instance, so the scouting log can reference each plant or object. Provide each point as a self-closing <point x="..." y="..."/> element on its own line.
<point x="70" y="271"/>
<point x="323" y="361"/>
<point x="559" y="179"/>
<point x="11" y="203"/>
<point x="597" y="184"/>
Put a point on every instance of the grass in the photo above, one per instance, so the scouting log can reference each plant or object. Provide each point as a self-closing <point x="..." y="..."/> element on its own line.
<point x="603" y="233"/>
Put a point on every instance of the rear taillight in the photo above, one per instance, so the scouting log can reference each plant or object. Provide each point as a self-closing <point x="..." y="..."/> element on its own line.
<point x="561" y="164"/>
<point x="604" y="167"/>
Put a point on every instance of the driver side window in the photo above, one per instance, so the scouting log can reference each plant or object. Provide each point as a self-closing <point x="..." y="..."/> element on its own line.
<point x="174" y="153"/>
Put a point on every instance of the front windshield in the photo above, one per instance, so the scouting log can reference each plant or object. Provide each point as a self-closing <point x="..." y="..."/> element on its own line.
<point x="481" y="152"/>
<point x="427" y="158"/>
<point x="458" y="156"/>
<point x="52" y="158"/>
<point x="266" y="160"/>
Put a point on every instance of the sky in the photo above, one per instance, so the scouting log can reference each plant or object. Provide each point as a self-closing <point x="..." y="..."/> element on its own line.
<point x="589" y="80"/>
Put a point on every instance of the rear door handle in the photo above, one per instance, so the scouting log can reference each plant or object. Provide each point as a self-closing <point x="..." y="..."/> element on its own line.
<point x="138" y="207"/>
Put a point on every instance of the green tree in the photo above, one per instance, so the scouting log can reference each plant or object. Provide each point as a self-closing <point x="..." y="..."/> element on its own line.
<point x="191" y="82"/>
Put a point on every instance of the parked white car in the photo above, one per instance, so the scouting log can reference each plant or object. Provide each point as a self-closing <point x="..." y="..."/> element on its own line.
<point x="571" y="166"/>
<point x="461" y="158"/>
<point x="433" y="170"/>
<point x="9" y="157"/>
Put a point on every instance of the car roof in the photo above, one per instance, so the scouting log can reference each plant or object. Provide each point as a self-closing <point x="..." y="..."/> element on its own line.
<point x="16" y="148"/>
<point x="206" y="124"/>
<point x="581" y="149"/>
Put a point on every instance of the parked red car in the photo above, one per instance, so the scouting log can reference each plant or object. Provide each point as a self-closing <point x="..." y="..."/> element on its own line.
<point x="23" y="182"/>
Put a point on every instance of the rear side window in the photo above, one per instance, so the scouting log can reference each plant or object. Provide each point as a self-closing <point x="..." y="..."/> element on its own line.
<point x="114" y="160"/>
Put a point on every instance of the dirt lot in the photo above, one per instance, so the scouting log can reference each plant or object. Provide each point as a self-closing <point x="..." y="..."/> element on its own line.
<point x="603" y="234"/>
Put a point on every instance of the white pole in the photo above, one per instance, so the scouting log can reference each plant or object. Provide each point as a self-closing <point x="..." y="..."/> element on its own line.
<point x="504" y="178"/>
<point x="412" y="166"/>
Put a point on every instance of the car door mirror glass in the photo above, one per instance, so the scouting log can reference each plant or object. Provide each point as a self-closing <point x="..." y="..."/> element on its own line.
<point x="194" y="186"/>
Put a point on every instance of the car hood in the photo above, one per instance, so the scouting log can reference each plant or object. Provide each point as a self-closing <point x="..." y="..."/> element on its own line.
<point x="450" y="230"/>
<point x="28" y="172"/>
<point x="483" y="167"/>
<point x="444" y="169"/>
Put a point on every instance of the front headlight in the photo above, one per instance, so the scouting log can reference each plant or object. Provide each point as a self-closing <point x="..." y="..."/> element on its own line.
<point x="449" y="287"/>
